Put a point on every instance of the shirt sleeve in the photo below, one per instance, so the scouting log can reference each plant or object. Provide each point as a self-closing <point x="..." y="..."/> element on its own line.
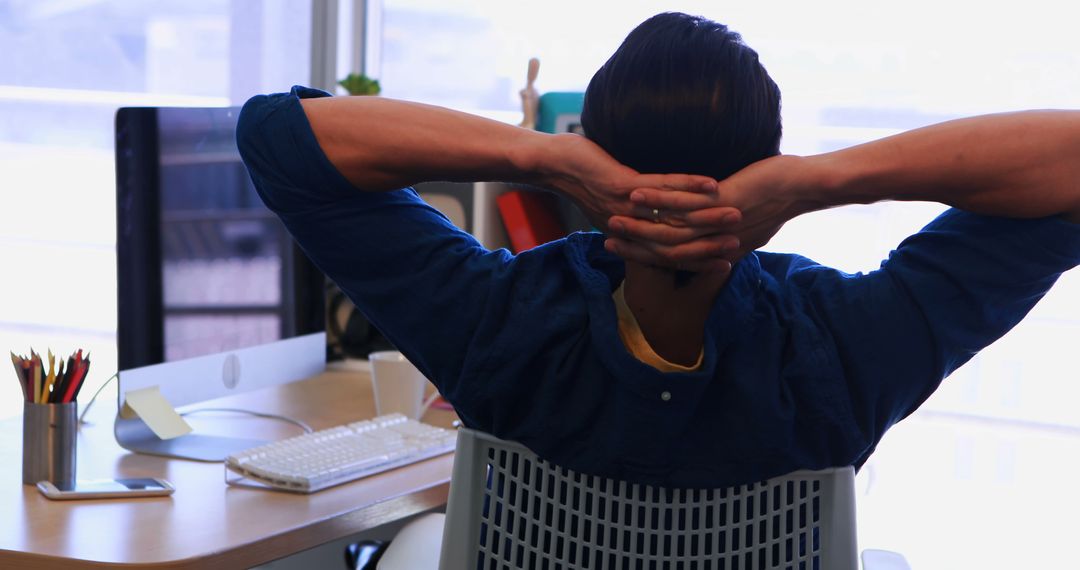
<point x="424" y="283"/>
<point x="942" y="296"/>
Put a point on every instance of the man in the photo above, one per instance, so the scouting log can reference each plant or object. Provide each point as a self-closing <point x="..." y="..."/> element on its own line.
<point x="706" y="374"/>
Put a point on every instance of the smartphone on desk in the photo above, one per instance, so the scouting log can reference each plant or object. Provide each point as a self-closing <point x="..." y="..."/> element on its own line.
<point x="108" y="489"/>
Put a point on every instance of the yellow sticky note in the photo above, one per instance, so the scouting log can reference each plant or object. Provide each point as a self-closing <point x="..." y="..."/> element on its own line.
<point x="156" y="411"/>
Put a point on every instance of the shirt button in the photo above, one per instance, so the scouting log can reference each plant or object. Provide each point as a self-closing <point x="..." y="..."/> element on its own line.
<point x="665" y="395"/>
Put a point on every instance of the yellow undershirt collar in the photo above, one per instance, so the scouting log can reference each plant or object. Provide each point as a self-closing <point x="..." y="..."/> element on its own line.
<point x="634" y="339"/>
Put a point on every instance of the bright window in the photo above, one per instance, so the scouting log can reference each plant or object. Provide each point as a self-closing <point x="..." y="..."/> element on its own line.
<point x="67" y="67"/>
<point x="974" y="479"/>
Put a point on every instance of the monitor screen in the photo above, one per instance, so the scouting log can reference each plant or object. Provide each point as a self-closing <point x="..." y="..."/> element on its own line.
<point x="225" y="259"/>
<point x="204" y="266"/>
<point x="214" y="297"/>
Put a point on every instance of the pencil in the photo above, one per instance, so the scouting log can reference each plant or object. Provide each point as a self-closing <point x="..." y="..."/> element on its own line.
<point x="68" y="375"/>
<point x="74" y="379"/>
<point x="49" y="379"/>
<point x="35" y="375"/>
<point x="19" y="374"/>
<point x="58" y="386"/>
<point x="27" y="381"/>
<point x="85" y="372"/>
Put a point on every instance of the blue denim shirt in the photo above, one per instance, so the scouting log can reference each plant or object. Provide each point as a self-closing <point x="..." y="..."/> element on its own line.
<point x="804" y="367"/>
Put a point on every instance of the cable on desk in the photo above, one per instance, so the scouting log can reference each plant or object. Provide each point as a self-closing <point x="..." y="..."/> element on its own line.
<point x="94" y="397"/>
<point x="298" y="423"/>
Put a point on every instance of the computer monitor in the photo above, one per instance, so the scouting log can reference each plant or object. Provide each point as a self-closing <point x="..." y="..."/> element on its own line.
<point x="214" y="297"/>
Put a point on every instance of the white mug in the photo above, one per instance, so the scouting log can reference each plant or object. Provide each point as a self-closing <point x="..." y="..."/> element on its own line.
<point x="399" y="386"/>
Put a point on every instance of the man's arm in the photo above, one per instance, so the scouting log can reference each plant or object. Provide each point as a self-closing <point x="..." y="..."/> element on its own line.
<point x="383" y="144"/>
<point x="1023" y="165"/>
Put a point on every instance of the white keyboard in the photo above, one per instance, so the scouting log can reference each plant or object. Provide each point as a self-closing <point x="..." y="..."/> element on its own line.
<point x="315" y="461"/>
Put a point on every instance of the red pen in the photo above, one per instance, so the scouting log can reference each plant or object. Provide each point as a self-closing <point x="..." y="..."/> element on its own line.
<point x="74" y="379"/>
<point x="82" y="379"/>
<point x="68" y="375"/>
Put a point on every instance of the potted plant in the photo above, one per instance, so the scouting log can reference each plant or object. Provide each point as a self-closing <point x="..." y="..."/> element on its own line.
<point x="360" y="84"/>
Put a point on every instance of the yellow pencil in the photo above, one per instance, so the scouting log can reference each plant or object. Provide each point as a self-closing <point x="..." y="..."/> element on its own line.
<point x="49" y="379"/>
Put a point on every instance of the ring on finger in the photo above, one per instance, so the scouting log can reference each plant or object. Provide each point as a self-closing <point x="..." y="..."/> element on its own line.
<point x="656" y="215"/>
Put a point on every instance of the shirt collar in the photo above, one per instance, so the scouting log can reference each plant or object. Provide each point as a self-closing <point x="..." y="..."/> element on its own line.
<point x="600" y="272"/>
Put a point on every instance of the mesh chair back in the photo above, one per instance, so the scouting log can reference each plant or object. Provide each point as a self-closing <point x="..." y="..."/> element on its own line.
<point x="509" y="510"/>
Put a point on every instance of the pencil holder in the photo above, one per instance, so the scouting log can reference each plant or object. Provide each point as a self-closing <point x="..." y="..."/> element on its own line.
<point x="48" y="450"/>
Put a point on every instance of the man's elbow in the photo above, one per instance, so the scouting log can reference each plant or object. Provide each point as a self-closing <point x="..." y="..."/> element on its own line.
<point x="255" y="143"/>
<point x="249" y="127"/>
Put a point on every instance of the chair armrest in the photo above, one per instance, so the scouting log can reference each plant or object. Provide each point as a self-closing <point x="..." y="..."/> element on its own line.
<point x="883" y="560"/>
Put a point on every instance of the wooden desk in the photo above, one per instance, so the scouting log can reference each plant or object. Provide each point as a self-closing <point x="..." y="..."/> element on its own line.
<point x="206" y="523"/>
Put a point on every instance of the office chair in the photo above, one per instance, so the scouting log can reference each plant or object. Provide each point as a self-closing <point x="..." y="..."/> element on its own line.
<point x="509" y="510"/>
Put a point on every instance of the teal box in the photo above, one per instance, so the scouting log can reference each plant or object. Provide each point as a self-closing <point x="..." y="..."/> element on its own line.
<point x="560" y="112"/>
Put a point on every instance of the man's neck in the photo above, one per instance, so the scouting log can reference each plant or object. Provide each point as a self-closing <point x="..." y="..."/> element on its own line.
<point x="671" y="316"/>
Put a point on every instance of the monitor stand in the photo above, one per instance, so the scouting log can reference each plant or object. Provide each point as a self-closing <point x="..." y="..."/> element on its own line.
<point x="134" y="435"/>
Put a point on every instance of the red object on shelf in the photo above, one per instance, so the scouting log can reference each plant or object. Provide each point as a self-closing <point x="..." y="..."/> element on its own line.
<point x="530" y="217"/>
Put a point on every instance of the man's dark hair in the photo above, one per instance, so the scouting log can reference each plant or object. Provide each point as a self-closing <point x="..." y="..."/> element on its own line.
<point x="683" y="94"/>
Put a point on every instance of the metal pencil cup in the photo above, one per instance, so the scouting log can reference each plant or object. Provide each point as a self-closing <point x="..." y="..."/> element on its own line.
<point x="49" y="432"/>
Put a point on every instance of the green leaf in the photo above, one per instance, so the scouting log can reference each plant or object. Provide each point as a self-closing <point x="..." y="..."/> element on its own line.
<point x="360" y="84"/>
